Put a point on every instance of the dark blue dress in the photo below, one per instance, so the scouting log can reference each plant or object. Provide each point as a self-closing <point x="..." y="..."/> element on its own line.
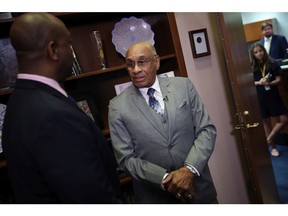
<point x="270" y="101"/>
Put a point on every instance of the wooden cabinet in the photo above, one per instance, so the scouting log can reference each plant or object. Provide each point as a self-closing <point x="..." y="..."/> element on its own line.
<point x="96" y="83"/>
<point x="253" y="30"/>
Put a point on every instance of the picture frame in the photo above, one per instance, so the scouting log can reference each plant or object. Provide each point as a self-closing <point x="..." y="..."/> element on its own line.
<point x="199" y="43"/>
<point x="86" y="102"/>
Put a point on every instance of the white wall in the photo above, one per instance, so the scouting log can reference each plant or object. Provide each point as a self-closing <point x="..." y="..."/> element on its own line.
<point x="210" y="77"/>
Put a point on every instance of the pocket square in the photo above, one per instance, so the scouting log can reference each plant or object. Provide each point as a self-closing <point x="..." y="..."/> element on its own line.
<point x="183" y="103"/>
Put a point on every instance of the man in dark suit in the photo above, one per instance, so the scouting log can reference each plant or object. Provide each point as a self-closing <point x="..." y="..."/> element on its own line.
<point x="55" y="152"/>
<point x="275" y="45"/>
<point x="165" y="151"/>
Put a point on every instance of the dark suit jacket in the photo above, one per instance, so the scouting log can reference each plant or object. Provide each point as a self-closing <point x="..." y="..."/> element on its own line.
<point x="146" y="150"/>
<point x="55" y="152"/>
<point x="278" y="47"/>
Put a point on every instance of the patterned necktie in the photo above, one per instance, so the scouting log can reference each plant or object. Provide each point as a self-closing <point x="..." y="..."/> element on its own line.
<point x="153" y="102"/>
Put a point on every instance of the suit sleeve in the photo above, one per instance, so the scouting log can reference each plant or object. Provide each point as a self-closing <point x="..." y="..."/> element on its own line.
<point x="205" y="131"/>
<point x="70" y="161"/>
<point x="284" y="47"/>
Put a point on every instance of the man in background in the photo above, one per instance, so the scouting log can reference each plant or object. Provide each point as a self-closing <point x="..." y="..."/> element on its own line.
<point x="275" y="45"/>
<point x="55" y="153"/>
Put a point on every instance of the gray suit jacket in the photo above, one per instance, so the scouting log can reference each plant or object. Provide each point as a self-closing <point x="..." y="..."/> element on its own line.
<point x="145" y="151"/>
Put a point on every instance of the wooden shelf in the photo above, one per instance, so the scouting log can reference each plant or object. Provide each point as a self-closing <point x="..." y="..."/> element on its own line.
<point x="6" y="91"/>
<point x="92" y="73"/>
<point x="111" y="69"/>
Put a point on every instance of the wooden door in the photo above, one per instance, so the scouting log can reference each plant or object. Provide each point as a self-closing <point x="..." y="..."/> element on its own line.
<point x="248" y="123"/>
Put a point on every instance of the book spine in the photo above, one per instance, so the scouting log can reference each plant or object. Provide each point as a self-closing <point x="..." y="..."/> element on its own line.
<point x="76" y="69"/>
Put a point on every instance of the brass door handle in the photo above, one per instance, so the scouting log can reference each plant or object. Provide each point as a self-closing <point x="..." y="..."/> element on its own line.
<point x="252" y="125"/>
<point x="241" y="126"/>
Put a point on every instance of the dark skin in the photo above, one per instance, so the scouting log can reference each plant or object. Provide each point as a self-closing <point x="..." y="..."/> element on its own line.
<point x="42" y="45"/>
<point x="178" y="181"/>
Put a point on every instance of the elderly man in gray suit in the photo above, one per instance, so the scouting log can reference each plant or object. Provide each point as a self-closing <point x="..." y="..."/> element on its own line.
<point x="162" y="134"/>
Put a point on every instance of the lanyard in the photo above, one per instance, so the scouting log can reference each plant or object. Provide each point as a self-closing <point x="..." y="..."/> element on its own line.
<point x="263" y="70"/>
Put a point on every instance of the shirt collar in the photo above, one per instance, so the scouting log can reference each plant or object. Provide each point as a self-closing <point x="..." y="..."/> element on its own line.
<point x="48" y="81"/>
<point x="270" y="38"/>
<point x="155" y="85"/>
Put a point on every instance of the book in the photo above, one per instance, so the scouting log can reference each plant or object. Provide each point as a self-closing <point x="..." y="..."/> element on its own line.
<point x="8" y="64"/>
<point x="167" y="74"/>
<point x="2" y="114"/>
<point x="83" y="104"/>
<point x="76" y="69"/>
<point x="121" y="87"/>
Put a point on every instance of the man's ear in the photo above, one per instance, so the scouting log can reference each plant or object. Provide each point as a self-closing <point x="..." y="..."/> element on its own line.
<point x="157" y="63"/>
<point x="52" y="50"/>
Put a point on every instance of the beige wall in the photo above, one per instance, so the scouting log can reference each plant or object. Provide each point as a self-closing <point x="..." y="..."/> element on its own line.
<point x="209" y="75"/>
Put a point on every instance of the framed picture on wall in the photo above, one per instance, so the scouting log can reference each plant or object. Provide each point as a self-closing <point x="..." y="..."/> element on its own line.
<point x="199" y="43"/>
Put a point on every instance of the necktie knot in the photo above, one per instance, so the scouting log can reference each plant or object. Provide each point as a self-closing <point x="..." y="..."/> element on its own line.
<point x="150" y="92"/>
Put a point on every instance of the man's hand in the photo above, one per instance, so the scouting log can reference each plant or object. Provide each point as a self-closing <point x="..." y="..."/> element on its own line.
<point x="180" y="184"/>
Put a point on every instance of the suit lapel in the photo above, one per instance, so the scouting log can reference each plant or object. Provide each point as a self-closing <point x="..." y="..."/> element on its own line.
<point x="170" y="106"/>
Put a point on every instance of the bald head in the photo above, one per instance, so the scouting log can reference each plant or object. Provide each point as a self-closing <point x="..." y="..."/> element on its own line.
<point x="141" y="46"/>
<point x="31" y="31"/>
<point x="142" y="64"/>
<point x="42" y="45"/>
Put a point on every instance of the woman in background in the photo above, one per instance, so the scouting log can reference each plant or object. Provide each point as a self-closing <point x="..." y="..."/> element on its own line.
<point x="267" y="76"/>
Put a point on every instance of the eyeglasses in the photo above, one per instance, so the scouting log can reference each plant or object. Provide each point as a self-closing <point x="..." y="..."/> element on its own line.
<point x="141" y="63"/>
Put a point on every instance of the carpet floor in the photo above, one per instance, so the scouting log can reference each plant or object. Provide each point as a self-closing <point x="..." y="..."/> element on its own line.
<point x="280" y="167"/>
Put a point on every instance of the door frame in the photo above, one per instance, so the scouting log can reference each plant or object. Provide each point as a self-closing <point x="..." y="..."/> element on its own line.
<point x="256" y="158"/>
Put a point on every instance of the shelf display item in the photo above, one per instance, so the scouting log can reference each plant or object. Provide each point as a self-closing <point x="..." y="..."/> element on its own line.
<point x="97" y="42"/>
<point x="2" y="114"/>
<point x="8" y="64"/>
<point x="129" y="31"/>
